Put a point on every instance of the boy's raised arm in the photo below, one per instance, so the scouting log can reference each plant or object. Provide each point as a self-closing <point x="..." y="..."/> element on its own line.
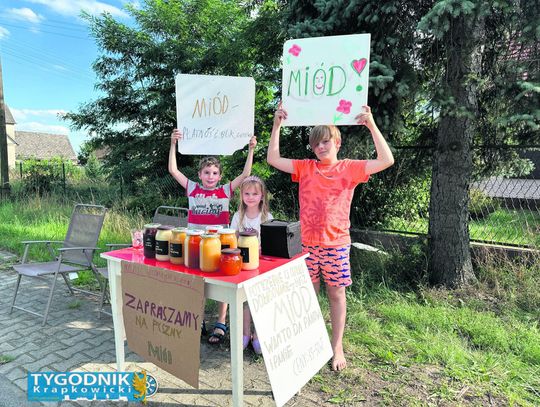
<point x="273" y="156"/>
<point x="247" y="166"/>
<point x="173" y="168"/>
<point x="385" y="157"/>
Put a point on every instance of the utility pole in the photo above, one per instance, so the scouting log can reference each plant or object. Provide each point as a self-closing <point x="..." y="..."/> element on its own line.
<point x="4" y="168"/>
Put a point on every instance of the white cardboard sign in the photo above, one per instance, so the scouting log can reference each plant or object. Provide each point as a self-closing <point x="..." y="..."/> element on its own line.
<point x="325" y="79"/>
<point x="216" y="114"/>
<point x="290" y="327"/>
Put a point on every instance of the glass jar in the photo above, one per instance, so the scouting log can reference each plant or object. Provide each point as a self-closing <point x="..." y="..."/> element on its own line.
<point x="149" y="240"/>
<point x="230" y="262"/>
<point x="191" y="248"/>
<point x="163" y="237"/>
<point x="209" y="252"/>
<point x="248" y="243"/>
<point x="176" y="245"/>
<point x="228" y="238"/>
<point x="213" y="228"/>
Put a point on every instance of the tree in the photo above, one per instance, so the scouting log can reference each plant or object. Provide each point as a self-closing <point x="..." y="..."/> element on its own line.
<point x="459" y="37"/>
<point x="448" y="69"/>
<point x="135" y="113"/>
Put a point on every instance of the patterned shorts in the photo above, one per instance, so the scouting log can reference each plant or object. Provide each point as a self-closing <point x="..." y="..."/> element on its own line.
<point x="332" y="262"/>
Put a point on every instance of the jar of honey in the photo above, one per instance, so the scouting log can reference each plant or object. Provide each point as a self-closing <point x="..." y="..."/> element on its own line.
<point x="163" y="237"/>
<point x="213" y="228"/>
<point x="191" y="248"/>
<point x="176" y="245"/>
<point x="149" y="240"/>
<point x="248" y="243"/>
<point x="209" y="252"/>
<point x="230" y="262"/>
<point x="228" y="238"/>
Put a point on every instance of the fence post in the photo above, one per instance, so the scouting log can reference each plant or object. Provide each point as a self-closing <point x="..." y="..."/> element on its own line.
<point x="121" y="188"/>
<point x="20" y="168"/>
<point x="64" y="178"/>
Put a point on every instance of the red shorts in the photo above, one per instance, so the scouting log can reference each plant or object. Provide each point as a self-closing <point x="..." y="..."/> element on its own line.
<point x="332" y="262"/>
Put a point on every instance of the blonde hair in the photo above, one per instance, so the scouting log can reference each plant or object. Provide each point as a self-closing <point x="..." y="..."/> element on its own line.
<point x="208" y="161"/>
<point x="323" y="132"/>
<point x="263" y="204"/>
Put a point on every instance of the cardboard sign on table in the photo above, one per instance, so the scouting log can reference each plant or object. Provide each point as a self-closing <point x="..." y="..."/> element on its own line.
<point x="216" y="114"/>
<point x="290" y="327"/>
<point x="325" y="79"/>
<point x="163" y="312"/>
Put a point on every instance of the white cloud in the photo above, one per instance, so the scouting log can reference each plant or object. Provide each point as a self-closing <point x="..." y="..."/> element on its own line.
<point x="24" y="114"/>
<point x="73" y="7"/>
<point x="24" y="14"/>
<point x="42" y="128"/>
<point x="4" y="33"/>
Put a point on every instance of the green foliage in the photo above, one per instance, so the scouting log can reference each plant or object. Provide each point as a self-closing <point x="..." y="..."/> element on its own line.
<point x="136" y="71"/>
<point x="481" y="205"/>
<point x="43" y="176"/>
<point x="93" y="168"/>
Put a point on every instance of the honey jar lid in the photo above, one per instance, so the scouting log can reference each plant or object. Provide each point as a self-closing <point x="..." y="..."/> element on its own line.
<point x="248" y="233"/>
<point x="226" y="231"/>
<point x="230" y="251"/>
<point x="181" y="229"/>
<point x="194" y="232"/>
<point x="152" y="225"/>
<point x="165" y="227"/>
<point x="209" y="235"/>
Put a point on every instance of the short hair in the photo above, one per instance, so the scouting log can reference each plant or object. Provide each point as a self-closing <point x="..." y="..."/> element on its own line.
<point x="323" y="132"/>
<point x="208" y="161"/>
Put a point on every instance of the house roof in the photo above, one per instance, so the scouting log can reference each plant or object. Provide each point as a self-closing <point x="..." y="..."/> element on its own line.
<point x="43" y="145"/>
<point x="9" y="116"/>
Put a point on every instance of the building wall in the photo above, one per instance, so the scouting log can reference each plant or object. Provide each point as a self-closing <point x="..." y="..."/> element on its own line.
<point x="10" y="130"/>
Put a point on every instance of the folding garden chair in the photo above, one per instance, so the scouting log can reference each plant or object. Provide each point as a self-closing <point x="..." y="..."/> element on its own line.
<point x="75" y="254"/>
<point x="170" y="215"/>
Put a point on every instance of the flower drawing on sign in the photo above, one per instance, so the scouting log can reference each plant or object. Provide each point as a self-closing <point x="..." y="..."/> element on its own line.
<point x="294" y="51"/>
<point x="344" y="107"/>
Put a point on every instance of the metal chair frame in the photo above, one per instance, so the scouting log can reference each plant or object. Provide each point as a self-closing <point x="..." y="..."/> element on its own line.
<point x="70" y="258"/>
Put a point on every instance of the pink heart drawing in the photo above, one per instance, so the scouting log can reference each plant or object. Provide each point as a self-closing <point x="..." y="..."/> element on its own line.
<point x="359" y="64"/>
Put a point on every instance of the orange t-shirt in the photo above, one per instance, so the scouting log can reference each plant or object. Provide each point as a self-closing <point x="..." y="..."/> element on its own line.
<point x="326" y="193"/>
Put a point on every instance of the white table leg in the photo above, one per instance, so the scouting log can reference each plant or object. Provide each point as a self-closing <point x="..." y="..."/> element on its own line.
<point x="237" y="355"/>
<point x="115" y="285"/>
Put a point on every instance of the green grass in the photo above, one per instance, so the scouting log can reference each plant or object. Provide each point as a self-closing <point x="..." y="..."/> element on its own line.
<point x="391" y="337"/>
<point x="45" y="218"/>
<point x="518" y="227"/>
<point x="6" y="359"/>
<point x="406" y="344"/>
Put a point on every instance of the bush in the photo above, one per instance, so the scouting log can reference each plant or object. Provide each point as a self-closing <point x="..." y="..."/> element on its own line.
<point x="481" y="205"/>
<point x="43" y="176"/>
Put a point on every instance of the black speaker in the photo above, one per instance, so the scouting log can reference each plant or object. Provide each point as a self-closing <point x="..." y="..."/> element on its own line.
<point x="280" y="238"/>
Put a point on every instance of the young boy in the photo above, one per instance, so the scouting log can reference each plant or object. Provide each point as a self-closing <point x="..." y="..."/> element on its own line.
<point x="209" y="204"/>
<point x="325" y="192"/>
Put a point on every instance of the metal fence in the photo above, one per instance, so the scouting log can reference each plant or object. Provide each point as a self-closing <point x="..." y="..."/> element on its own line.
<point x="503" y="210"/>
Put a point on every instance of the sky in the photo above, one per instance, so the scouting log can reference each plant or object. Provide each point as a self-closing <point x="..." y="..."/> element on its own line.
<point x="46" y="52"/>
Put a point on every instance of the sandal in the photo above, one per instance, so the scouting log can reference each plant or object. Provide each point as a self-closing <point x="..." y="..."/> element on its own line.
<point x="220" y="336"/>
